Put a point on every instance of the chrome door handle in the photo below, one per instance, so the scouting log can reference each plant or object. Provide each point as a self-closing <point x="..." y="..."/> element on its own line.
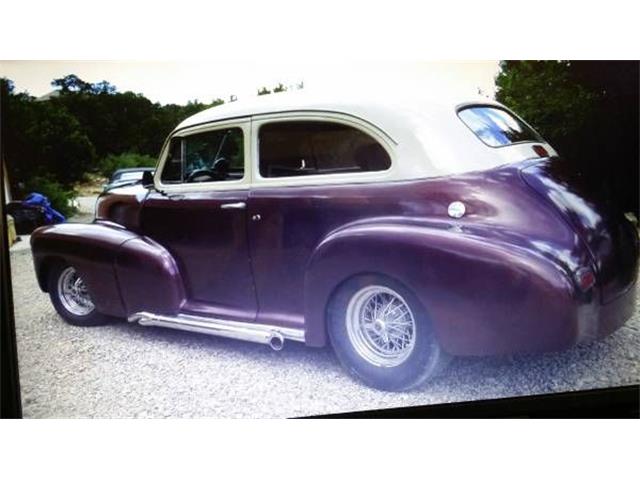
<point x="237" y="205"/>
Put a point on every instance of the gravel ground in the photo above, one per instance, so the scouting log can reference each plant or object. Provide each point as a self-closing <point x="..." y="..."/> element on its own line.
<point x="124" y="370"/>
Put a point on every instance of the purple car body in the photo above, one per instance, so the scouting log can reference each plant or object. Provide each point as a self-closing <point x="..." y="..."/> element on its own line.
<point x="534" y="262"/>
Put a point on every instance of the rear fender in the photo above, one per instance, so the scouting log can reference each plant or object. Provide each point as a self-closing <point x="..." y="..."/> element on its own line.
<point x="482" y="296"/>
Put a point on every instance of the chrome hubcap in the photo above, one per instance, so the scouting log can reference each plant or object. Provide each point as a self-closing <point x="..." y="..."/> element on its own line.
<point x="381" y="326"/>
<point x="73" y="293"/>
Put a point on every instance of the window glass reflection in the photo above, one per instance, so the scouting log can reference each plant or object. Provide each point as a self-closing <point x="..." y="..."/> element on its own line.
<point x="497" y="127"/>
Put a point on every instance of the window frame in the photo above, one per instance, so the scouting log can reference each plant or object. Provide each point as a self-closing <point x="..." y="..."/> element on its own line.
<point x="467" y="106"/>
<point x="323" y="179"/>
<point x="243" y="183"/>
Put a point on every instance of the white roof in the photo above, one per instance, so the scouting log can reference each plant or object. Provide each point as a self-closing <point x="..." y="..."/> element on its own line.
<point x="429" y="137"/>
<point x="369" y="108"/>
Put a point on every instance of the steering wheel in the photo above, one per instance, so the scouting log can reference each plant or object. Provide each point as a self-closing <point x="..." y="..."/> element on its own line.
<point x="201" y="172"/>
<point x="219" y="171"/>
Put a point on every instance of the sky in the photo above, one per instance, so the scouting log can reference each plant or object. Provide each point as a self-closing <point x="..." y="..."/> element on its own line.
<point x="179" y="82"/>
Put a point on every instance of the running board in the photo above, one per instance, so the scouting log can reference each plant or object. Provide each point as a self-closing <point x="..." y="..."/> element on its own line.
<point x="271" y="335"/>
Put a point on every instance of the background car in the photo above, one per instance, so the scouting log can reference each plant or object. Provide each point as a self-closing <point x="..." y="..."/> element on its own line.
<point x="127" y="176"/>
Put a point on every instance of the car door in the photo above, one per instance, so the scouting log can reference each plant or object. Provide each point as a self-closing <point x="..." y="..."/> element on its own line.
<point x="310" y="176"/>
<point x="198" y="212"/>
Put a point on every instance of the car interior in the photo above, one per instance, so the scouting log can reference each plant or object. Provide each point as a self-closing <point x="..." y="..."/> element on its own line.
<point x="290" y="149"/>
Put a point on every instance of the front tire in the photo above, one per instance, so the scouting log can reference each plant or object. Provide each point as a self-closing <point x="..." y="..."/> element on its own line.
<point x="71" y="299"/>
<point x="382" y="335"/>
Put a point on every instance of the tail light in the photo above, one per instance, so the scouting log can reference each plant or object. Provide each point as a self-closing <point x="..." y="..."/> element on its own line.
<point x="585" y="278"/>
<point x="540" y="151"/>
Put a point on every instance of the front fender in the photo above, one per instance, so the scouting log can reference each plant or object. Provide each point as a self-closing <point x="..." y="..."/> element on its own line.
<point x="149" y="278"/>
<point x="483" y="295"/>
<point x="124" y="271"/>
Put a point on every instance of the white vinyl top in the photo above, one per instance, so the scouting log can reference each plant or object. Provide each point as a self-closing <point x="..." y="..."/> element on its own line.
<point x="375" y="110"/>
<point x="427" y="136"/>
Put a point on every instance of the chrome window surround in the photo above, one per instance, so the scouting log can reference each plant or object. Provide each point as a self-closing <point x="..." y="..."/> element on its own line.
<point x="325" y="179"/>
<point x="244" y="125"/>
<point x="252" y="178"/>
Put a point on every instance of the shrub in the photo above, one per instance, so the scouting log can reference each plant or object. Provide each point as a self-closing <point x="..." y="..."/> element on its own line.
<point x="125" y="160"/>
<point x="59" y="196"/>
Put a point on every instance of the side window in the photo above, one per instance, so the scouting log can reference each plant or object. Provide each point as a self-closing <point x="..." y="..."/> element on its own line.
<point x="212" y="156"/>
<point x="296" y="148"/>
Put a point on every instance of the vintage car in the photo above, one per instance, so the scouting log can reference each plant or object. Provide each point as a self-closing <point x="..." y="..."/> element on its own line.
<point x="400" y="232"/>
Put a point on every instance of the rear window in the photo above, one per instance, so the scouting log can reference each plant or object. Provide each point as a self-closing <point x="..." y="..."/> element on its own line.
<point x="497" y="127"/>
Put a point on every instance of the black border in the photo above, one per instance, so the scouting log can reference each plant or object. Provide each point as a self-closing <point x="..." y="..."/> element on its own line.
<point x="10" y="403"/>
<point x="615" y="402"/>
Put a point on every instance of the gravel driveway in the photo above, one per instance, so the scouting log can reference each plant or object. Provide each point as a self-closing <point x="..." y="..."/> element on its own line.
<point x="126" y="370"/>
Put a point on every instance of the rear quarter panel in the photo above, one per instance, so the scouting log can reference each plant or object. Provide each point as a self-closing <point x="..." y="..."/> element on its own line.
<point x="482" y="297"/>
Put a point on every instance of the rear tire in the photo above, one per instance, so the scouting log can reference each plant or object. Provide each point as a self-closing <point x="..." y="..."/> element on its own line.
<point x="382" y="335"/>
<point x="71" y="298"/>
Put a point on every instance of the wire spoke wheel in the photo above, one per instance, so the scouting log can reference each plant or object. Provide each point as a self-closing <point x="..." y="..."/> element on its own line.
<point x="381" y="326"/>
<point x="73" y="293"/>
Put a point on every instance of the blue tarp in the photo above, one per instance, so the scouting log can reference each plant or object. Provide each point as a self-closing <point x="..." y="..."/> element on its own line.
<point x="51" y="215"/>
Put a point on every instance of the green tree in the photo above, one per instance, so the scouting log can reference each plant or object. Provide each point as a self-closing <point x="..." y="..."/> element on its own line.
<point x="589" y="112"/>
<point x="43" y="139"/>
<point x="45" y="148"/>
<point x="545" y="94"/>
<point x="125" y="160"/>
<point x="121" y="122"/>
<point x="90" y="127"/>
<point x="7" y="87"/>
<point x="70" y="84"/>
<point x="278" y="88"/>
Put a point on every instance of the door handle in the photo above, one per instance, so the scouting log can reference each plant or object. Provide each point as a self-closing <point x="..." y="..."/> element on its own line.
<point x="237" y="205"/>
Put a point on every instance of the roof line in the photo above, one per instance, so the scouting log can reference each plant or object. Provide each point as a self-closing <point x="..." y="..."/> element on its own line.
<point x="275" y="112"/>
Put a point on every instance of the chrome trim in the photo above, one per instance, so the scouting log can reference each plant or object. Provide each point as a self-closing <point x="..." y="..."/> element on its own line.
<point x="271" y="335"/>
<point x="456" y="209"/>
<point x="238" y="205"/>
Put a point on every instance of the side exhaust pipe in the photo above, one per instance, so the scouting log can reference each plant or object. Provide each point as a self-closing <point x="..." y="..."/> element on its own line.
<point x="276" y="341"/>
<point x="271" y="335"/>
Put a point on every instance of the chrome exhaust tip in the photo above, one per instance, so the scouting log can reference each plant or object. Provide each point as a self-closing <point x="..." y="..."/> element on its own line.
<point x="276" y="341"/>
